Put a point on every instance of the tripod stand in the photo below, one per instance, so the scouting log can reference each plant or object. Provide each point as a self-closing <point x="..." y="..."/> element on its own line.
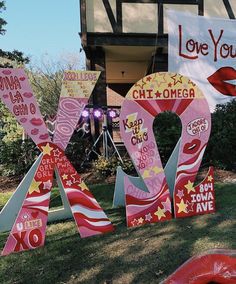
<point x="106" y="136"/>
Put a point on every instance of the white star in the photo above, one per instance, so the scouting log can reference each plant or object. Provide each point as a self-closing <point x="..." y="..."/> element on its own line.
<point x="180" y="194"/>
<point x="69" y="182"/>
<point x="148" y="217"/>
<point x="167" y="205"/>
<point x="47" y="184"/>
<point x="57" y="153"/>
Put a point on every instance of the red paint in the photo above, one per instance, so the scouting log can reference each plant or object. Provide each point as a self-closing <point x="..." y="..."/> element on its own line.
<point x="192" y="147"/>
<point x="217" y="266"/>
<point x="36" y="121"/>
<point x="217" y="80"/>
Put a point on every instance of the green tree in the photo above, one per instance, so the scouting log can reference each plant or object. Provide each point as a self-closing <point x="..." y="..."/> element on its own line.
<point x="167" y="130"/>
<point x="221" y="149"/>
<point x="2" y="21"/>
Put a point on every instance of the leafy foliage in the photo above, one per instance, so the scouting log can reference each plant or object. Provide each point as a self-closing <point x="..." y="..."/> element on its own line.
<point x="12" y="59"/>
<point x="167" y="130"/>
<point x="77" y="149"/>
<point x="221" y="150"/>
<point x="46" y="86"/>
<point x="16" y="157"/>
<point x="2" y="21"/>
<point x="106" y="167"/>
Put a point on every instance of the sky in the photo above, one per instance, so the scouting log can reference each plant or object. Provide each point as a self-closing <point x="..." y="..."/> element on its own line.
<point x="42" y="28"/>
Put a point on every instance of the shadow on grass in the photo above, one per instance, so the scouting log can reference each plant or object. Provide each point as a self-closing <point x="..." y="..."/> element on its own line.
<point x="146" y="254"/>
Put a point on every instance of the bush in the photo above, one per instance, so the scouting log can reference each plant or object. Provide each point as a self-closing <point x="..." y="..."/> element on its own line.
<point x="17" y="157"/>
<point x="221" y="150"/>
<point x="106" y="167"/>
<point x="77" y="149"/>
<point x="167" y="130"/>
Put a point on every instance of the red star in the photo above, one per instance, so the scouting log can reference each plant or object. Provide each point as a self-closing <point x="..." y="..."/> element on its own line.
<point x="169" y="85"/>
<point x="149" y="78"/>
<point x="158" y="94"/>
<point x="189" y="206"/>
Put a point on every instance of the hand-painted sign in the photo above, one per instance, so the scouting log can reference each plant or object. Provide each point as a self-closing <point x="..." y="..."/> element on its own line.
<point x="29" y="229"/>
<point x="150" y="96"/>
<point x="205" y="52"/>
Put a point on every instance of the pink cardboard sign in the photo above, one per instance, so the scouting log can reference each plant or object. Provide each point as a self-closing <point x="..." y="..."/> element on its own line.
<point x="29" y="229"/>
<point x="16" y="93"/>
<point x="150" y="96"/>
<point x="77" y="86"/>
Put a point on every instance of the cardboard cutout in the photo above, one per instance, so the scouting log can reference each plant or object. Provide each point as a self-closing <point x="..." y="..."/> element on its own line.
<point x="150" y="96"/>
<point x="170" y="172"/>
<point x="215" y="266"/>
<point x="30" y="225"/>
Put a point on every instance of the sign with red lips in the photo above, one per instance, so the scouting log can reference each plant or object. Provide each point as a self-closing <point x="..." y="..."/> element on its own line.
<point x="221" y="79"/>
<point x="29" y="228"/>
<point x="205" y="52"/>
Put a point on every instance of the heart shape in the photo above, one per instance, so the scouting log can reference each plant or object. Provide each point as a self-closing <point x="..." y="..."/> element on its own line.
<point x="23" y="119"/>
<point x="35" y="214"/>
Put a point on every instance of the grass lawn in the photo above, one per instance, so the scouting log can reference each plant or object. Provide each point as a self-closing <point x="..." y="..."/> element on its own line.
<point x="146" y="254"/>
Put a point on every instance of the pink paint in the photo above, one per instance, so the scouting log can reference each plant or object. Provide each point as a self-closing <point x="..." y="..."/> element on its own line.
<point x="44" y="136"/>
<point x="23" y="119"/>
<point x="34" y="131"/>
<point x="28" y="95"/>
<point x="29" y="229"/>
<point x="36" y="121"/>
<point x="22" y="104"/>
<point x="146" y="99"/>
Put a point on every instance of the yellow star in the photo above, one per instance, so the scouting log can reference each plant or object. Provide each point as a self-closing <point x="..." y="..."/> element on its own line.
<point x="189" y="186"/>
<point x="47" y="149"/>
<point x="65" y="177"/>
<point x="177" y="79"/>
<point x="140" y="220"/>
<point x="182" y="206"/>
<point x="160" y="213"/>
<point x="209" y="178"/>
<point x="146" y="174"/>
<point x="157" y="170"/>
<point x="83" y="186"/>
<point x="34" y="186"/>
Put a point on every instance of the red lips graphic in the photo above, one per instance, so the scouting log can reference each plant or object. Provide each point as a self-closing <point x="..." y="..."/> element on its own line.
<point x="28" y="95"/>
<point x="22" y="78"/>
<point x="5" y="96"/>
<point x="6" y="72"/>
<point x="44" y="136"/>
<point x="36" y="121"/>
<point x="34" y="131"/>
<point x="192" y="147"/>
<point x="23" y="119"/>
<point x="217" y="80"/>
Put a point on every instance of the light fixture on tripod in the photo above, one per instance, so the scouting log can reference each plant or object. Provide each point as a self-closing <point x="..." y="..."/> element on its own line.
<point x="105" y="135"/>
